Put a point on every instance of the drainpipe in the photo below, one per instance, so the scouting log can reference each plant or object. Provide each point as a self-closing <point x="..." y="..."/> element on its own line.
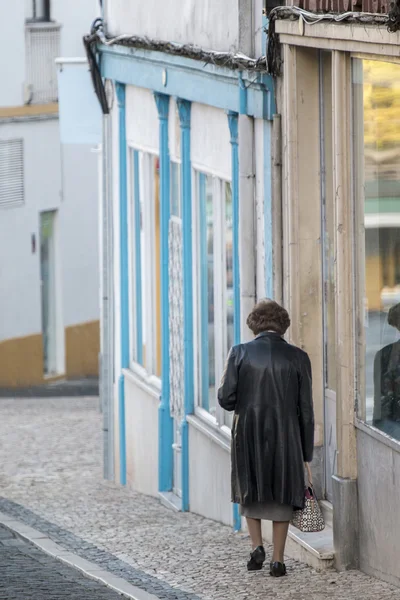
<point x="103" y="5"/>
<point x="277" y="231"/>
<point x="246" y="213"/>
<point x="246" y="27"/>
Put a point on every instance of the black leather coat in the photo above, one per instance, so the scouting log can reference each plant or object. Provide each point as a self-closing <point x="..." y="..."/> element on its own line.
<point x="267" y="382"/>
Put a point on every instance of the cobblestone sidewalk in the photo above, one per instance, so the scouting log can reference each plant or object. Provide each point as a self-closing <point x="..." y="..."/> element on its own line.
<point x="25" y="573"/>
<point x="51" y="478"/>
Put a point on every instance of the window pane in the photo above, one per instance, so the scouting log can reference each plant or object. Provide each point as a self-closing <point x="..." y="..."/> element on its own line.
<point x="229" y="267"/>
<point x="136" y="262"/>
<point x="156" y="250"/>
<point x="206" y="285"/>
<point x="210" y="293"/>
<point x="229" y="291"/>
<point x="376" y="93"/>
<point x="328" y="212"/>
<point x="143" y="246"/>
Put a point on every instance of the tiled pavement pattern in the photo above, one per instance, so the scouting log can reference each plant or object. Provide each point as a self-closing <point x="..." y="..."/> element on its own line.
<point x="26" y="572"/>
<point x="51" y="478"/>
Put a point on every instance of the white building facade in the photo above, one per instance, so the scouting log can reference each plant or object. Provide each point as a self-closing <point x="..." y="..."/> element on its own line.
<point x="188" y="165"/>
<point x="48" y="204"/>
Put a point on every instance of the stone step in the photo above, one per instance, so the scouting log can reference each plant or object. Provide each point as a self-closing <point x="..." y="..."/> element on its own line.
<point x="327" y="511"/>
<point x="171" y="501"/>
<point x="314" y="549"/>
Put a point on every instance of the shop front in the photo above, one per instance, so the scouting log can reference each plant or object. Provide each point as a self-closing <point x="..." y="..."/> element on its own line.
<point x="340" y="94"/>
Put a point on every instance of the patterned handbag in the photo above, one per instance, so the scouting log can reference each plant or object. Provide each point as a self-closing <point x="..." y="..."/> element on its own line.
<point x="310" y="518"/>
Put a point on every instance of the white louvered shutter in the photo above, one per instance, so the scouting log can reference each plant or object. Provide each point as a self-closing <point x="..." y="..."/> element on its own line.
<point x="11" y="172"/>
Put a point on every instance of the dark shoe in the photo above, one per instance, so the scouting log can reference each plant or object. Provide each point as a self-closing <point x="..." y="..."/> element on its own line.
<point x="257" y="559"/>
<point x="277" y="569"/>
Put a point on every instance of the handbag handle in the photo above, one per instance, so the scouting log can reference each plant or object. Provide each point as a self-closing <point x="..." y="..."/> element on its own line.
<point x="309" y="474"/>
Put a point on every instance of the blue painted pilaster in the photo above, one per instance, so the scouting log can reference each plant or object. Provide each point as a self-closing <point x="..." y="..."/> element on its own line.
<point x="124" y="279"/>
<point x="184" y="108"/>
<point x="233" y="119"/>
<point x="165" y="424"/>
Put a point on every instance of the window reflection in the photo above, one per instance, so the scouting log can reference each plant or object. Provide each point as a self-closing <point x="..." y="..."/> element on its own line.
<point x="387" y="382"/>
<point x="377" y="159"/>
<point x="229" y="266"/>
<point x="215" y="272"/>
<point x="210" y="294"/>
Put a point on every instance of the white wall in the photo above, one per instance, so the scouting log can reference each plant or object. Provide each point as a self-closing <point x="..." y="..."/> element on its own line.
<point x="210" y="477"/>
<point x="79" y="234"/>
<point x="212" y="24"/>
<point x="12" y="52"/>
<point x="141" y="417"/>
<point x="142" y="129"/>
<point x="76" y="18"/>
<point x="20" y="299"/>
<point x="210" y="141"/>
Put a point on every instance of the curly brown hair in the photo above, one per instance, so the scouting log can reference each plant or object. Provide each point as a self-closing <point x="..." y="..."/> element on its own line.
<point x="268" y="315"/>
<point x="394" y="316"/>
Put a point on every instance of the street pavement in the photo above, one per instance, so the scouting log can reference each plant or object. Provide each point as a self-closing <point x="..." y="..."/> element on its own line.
<point x="26" y="572"/>
<point x="51" y="479"/>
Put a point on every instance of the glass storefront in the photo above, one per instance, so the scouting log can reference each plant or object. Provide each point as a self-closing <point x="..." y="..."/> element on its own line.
<point x="376" y="117"/>
<point x="215" y="284"/>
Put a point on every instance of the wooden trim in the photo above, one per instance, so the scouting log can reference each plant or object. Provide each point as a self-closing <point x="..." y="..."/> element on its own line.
<point x="302" y="213"/>
<point x="347" y="37"/>
<point x="358" y="194"/>
<point x="28" y="110"/>
<point x="346" y="433"/>
<point x="290" y="192"/>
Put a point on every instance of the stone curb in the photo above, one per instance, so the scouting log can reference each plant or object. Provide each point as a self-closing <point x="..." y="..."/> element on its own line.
<point x="44" y="543"/>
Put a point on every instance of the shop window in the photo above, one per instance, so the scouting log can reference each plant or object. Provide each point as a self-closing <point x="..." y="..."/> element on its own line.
<point x="376" y="101"/>
<point x="215" y="317"/>
<point x="145" y="262"/>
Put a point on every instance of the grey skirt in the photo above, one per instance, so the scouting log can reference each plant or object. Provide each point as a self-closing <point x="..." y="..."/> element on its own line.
<point x="268" y="511"/>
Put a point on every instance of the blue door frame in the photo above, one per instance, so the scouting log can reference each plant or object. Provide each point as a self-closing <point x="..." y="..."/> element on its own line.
<point x="223" y="89"/>
<point x="166" y="431"/>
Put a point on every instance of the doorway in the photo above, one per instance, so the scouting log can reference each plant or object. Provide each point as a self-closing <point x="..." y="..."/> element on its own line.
<point x="328" y="268"/>
<point x="48" y="291"/>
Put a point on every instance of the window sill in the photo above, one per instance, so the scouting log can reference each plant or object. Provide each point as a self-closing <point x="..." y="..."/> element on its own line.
<point x="378" y="435"/>
<point x="148" y="383"/>
<point x="211" y="430"/>
<point x="42" y="24"/>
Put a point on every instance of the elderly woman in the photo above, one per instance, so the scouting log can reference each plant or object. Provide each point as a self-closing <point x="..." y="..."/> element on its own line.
<point x="267" y="383"/>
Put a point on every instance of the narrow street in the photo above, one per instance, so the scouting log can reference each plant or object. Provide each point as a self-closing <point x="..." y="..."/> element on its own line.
<point x="51" y="480"/>
<point x="26" y="572"/>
